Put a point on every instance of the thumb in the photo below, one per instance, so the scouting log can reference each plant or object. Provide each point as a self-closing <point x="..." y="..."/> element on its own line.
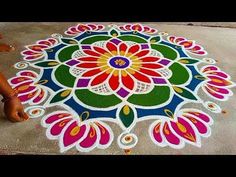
<point x="23" y="115"/>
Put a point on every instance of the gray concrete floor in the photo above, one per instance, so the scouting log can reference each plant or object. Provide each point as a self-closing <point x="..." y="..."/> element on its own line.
<point x="219" y="39"/>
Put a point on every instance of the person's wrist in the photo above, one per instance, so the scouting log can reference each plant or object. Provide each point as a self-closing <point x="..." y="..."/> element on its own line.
<point x="9" y="96"/>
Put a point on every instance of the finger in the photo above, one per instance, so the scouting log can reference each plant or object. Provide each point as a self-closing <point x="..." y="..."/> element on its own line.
<point x="23" y="115"/>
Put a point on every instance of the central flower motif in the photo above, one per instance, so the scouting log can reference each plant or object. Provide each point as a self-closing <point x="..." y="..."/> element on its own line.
<point x="119" y="62"/>
<point x="123" y="68"/>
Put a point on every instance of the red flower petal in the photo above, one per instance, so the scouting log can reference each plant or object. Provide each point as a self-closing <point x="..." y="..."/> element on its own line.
<point x="91" y="52"/>
<point x="133" y="49"/>
<point x="91" y="72"/>
<point x="87" y="65"/>
<point x="151" y="65"/>
<point x="149" y="59"/>
<point x="88" y="59"/>
<point x="99" y="79"/>
<point x="114" y="82"/>
<point x="128" y="81"/>
<point x="111" y="47"/>
<point x="141" y="77"/>
<point x="149" y="72"/>
<point x="100" y="50"/>
<point x="142" y="53"/>
<point x="123" y="47"/>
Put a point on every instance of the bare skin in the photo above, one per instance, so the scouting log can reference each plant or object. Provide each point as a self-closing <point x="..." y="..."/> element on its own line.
<point x="13" y="108"/>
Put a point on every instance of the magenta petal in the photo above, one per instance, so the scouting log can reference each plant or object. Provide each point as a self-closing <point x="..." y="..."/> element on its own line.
<point x="25" y="87"/>
<point x="28" y="96"/>
<point x="90" y="138"/>
<point x="198" y="124"/>
<point x="58" y="127"/>
<point x="39" y="97"/>
<point x="184" y="129"/>
<point x="202" y="116"/>
<point x="55" y="117"/>
<point x="73" y="133"/>
<point x="170" y="137"/>
<point x="156" y="133"/>
<point x="105" y="135"/>
<point x="18" y="80"/>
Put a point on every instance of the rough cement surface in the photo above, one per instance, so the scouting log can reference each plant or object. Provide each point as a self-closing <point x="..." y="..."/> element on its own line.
<point x="29" y="137"/>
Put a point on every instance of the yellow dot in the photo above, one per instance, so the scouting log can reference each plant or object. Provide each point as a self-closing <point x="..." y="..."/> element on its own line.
<point x="126" y="110"/>
<point x="177" y="89"/>
<point x="75" y="131"/>
<point x="65" y="93"/>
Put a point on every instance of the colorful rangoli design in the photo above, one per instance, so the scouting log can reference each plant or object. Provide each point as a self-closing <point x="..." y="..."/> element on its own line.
<point x="124" y="75"/>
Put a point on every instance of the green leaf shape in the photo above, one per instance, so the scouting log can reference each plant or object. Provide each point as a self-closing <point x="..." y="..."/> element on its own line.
<point x="61" y="96"/>
<point x="184" y="93"/>
<point x="180" y="74"/>
<point x="93" y="39"/>
<point x="66" y="53"/>
<point x="155" y="39"/>
<point x="166" y="51"/>
<point x="51" y="63"/>
<point x="188" y="61"/>
<point x="158" y="95"/>
<point x="69" y="41"/>
<point x="126" y="116"/>
<point x="95" y="100"/>
<point x="132" y="38"/>
<point x="63" y="76"/>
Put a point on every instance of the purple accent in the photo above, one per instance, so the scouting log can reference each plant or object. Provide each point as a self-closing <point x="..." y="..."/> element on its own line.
<point x="83" y="82"/>
<point x="159" y="80"/>
<point x="164" y="62"/>
<point x="86" y="47"/>
<point x="72" y="62"/>
<point x="144" y="46"/>
<point x="115" y="41"/>
<point x="122" y="92"/>
<point x="113" y="62"/>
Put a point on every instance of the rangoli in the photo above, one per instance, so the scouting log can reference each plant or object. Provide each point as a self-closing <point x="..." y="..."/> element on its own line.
<point x="121" y="74"/>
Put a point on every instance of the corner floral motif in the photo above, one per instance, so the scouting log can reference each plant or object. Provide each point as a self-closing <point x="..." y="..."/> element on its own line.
<point x="37" y="51"/>
<point x="189" y="45"/>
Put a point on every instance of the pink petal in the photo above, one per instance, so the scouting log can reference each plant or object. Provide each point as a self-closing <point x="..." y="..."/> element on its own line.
<point x="170" y="137"/>
<point x="156" y="133"/>
<point x="73" y="133"/>
<point x="201" y="116"/>
<point x="184" y="129"/>
<point x="90" y="138"/>
<point x="105" y="135"/>
<point x="18" y="80"/>
<point x="202" y="128"/>
<point x="55" y="117"/>
<point x="57" y="128"/>
<point x="39" y="97"/>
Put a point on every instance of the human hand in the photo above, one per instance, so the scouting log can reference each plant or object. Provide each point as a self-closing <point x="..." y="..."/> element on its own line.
<point x="14" y="110"/>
